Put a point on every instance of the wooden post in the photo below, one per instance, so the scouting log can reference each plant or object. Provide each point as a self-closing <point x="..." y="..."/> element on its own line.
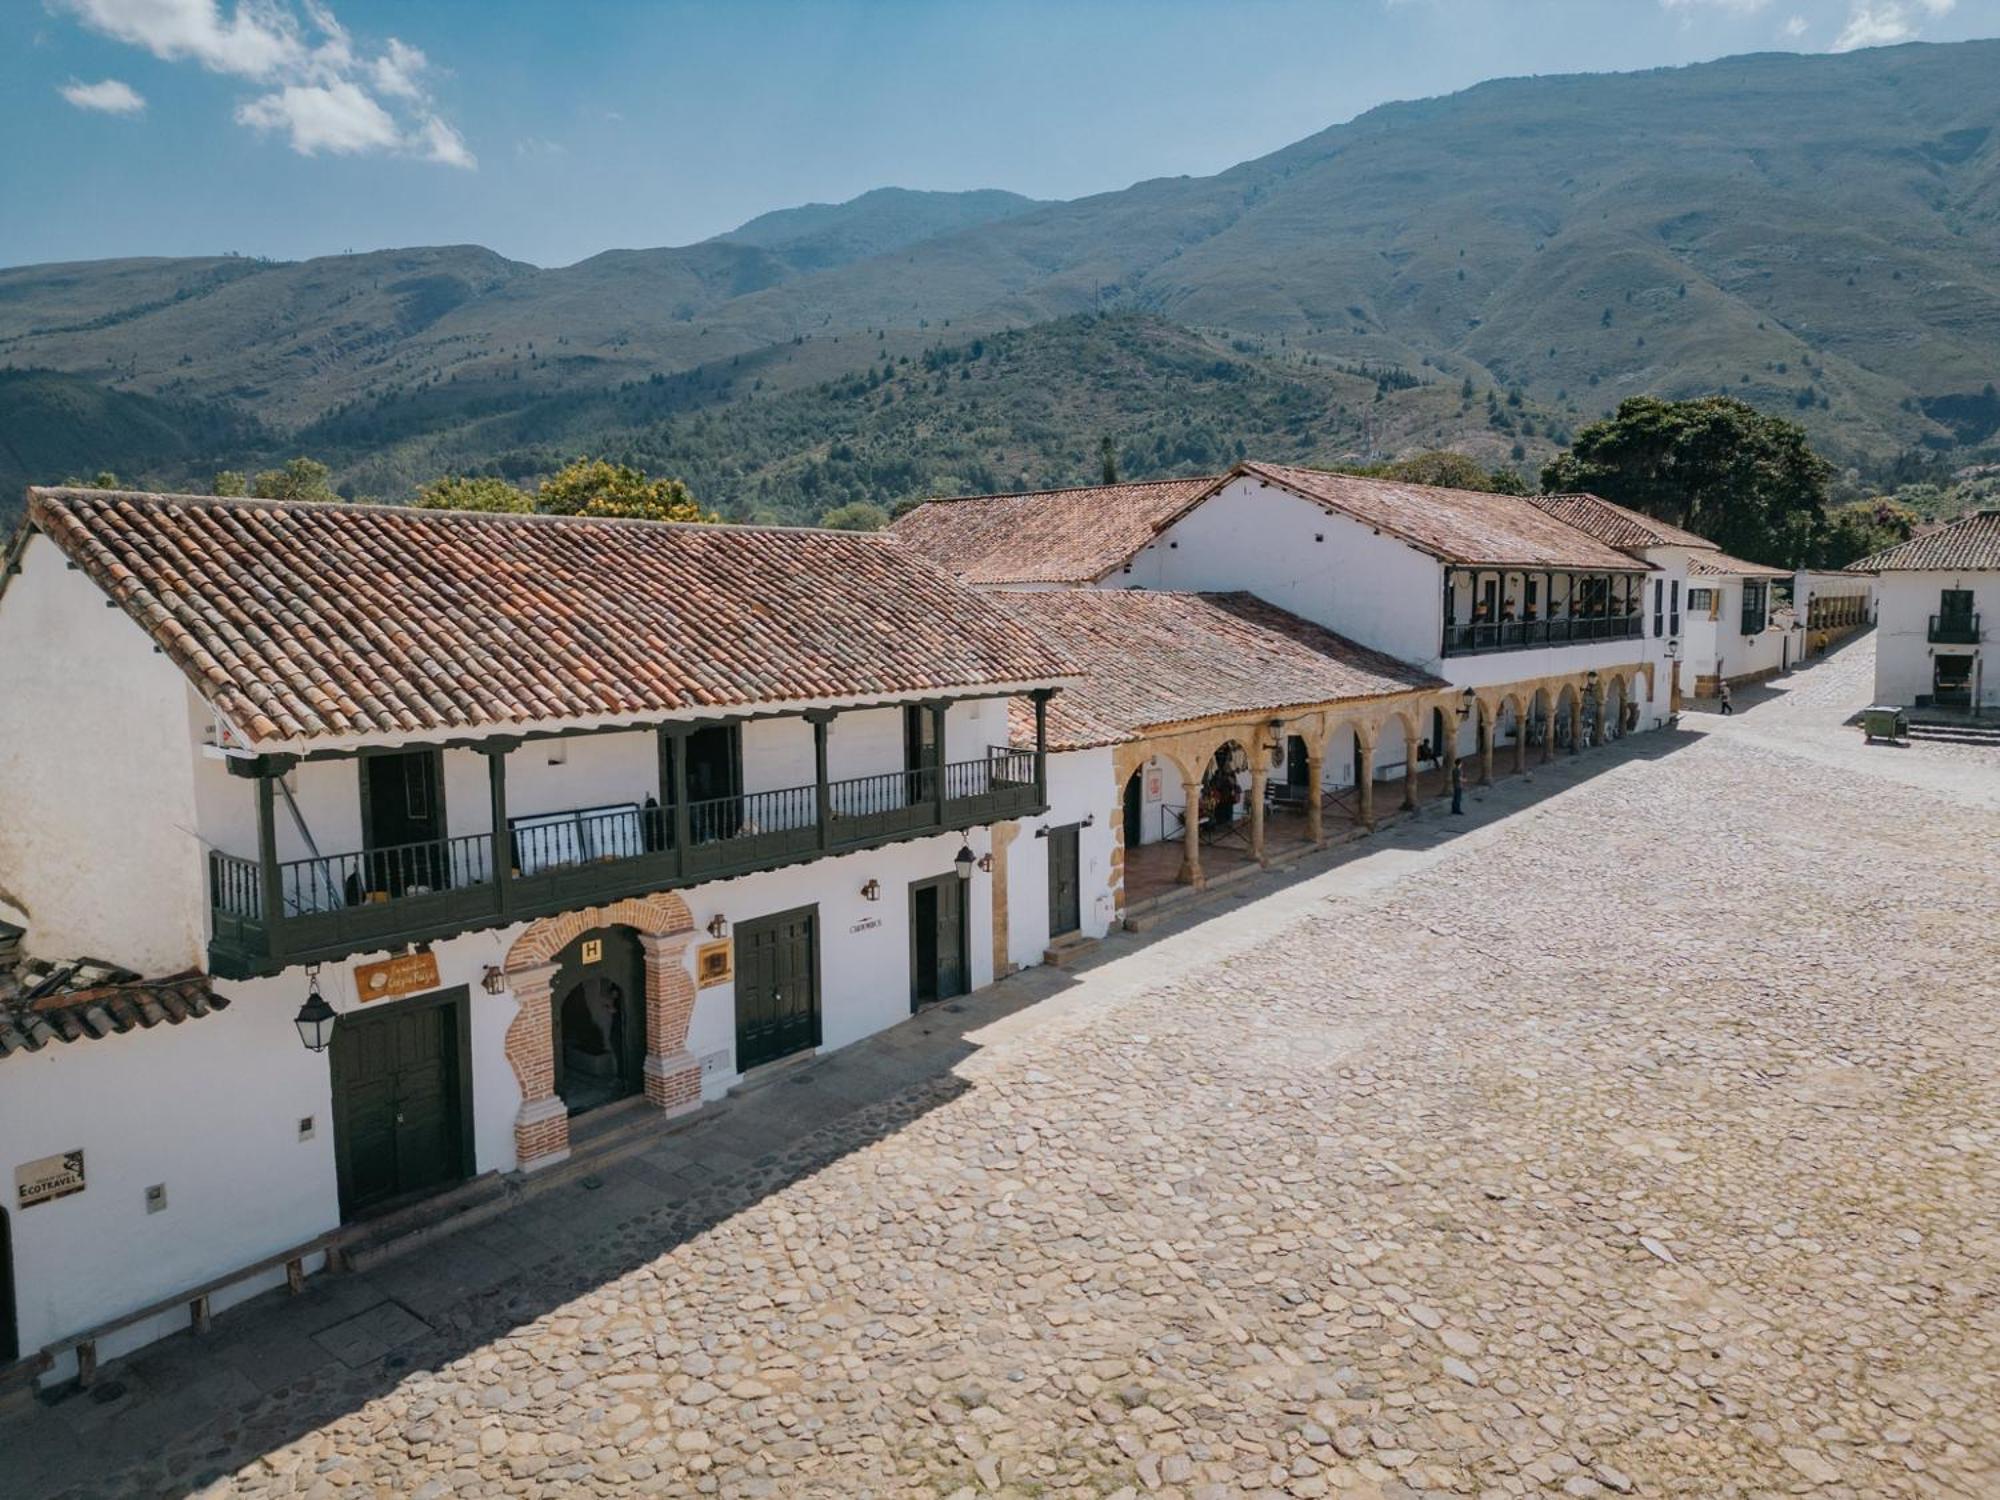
<point x="1259" y="775"/>
<point x="1191" y="834"/>
<point x="821" y="722"/>
<point x="1315" y="809"/>
<point x="271" y="885"/>
<point x="502" y="853"/>
<point x="937" y="720"/>
<point x="677" y="788"/>
<point x="198" y="1314"/>
<point x="1042" y="696"/>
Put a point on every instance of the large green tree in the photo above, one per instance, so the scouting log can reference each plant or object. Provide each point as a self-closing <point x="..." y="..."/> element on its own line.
<point x="1451" y="470"/>
<point x="299" y="479"/>
<point x="465" y="492"/>
<point x="1860" y="529"/>
<point x="593" y="487"/>
<point x="1747" y="481"/>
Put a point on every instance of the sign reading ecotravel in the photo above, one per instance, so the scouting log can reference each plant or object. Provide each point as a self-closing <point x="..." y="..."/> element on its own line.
<point x="50" y="1178"/>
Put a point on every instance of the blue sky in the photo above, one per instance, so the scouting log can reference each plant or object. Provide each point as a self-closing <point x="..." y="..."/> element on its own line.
<point x="551" y="129"/>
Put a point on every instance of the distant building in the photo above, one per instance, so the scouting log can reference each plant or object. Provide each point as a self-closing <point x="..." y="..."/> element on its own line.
<point x="1938" y="596"/>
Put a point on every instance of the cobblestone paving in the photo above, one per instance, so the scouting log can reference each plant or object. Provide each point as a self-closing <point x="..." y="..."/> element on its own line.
<point x="1600" y="1155"/>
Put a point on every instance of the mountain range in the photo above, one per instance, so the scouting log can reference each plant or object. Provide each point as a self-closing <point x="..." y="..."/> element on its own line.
<point x="1817" y="234"/>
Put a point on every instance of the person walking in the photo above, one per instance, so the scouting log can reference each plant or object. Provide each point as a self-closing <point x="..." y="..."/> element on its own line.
<point x="1722" y="692"/>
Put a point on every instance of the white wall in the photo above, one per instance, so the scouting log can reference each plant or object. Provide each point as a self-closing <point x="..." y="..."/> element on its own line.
<point x="210" y="1108"/>
<point x="1081" y="784"/>
<point x="1903" y="652"/>
<point x="97" y="839"/>
<point x="1291" y="553"/>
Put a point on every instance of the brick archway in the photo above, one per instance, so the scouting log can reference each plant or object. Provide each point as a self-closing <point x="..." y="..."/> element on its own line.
<point x="673" y="1078"/>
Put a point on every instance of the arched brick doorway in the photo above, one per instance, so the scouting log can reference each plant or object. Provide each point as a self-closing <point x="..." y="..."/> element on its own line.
<point x="663" y="928"/>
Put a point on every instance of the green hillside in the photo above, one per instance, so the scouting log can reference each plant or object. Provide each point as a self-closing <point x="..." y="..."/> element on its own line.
<point x="1819" y="235"/>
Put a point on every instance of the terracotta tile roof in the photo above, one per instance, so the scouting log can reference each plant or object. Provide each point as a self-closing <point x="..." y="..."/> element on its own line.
<point x="1156" y="659"/>
<point x="1458" y="526"/>
<point x="84" y="999"/>
<point x="1046" y="536"/>
<point x="1970" y="545"/>
<point x="1720" y="564"/>
<point x="303" y="621"/>
<point x="1615" y="525"/>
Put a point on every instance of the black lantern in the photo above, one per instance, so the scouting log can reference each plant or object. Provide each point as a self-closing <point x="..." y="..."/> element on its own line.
<point x="964" y="862"/>
<point x="315" y="1018"/>
<point x="1466" y="700"/>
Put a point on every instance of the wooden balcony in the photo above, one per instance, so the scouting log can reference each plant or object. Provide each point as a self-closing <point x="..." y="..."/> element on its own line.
<point x="1478" y="638"/>
<point x="1957" y="629"/>
<point x="330" y="906"/>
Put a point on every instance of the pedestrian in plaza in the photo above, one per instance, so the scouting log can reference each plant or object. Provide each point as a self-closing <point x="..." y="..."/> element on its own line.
<point x="1722" y="692"/>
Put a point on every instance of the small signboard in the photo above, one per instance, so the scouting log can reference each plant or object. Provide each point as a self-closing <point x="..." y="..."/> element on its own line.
<point x="593" y="950"/>
<point x="52" y="1177"/>
<point x="1153" y="781"/>
<point x="715" y="963"/>
<point x="411" y="974"/>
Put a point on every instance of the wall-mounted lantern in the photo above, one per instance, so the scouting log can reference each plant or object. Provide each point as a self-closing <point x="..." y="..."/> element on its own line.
<point x="986" y="864"/>
<point x="718" y="926"/>
<point x="494" y="980"/>
<point x="1466" y="702"/>
<point x="872" y="891"/>
<point x="316" y="1018"/>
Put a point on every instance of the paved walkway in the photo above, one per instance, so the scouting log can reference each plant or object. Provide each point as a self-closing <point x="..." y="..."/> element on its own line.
<point x="1634" y="1133"/>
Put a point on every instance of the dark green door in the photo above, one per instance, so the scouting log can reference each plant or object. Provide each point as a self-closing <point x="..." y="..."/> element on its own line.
<point x="398" y="1101"/>
<point x="938" y="964"/>
<point x="1135" y="808"/>
<point x="1065" y="882"/>
<point x="777" y="987"/>
<point x="402" y="821"/>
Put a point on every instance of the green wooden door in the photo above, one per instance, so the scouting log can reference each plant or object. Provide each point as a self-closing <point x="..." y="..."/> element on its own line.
<point x="1065" y="882"/>
<point x="940" y="966"/>
<point x="398" y="1103"/>
<point x="777" y="987"/>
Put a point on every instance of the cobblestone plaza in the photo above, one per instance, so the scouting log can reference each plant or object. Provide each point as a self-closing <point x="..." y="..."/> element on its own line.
<point x="1635" y="1135"/>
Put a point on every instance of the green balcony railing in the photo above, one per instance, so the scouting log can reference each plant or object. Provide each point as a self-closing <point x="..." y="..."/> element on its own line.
<point x="330" y="906"/>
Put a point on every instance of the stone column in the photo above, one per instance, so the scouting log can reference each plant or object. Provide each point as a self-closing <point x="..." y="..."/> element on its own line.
<point x="1364" y="782"/>
<point x="673" y="1077"/>
<point x="1315" y="820"/>
<point x="1520" y="742"/>
<point x="1486" y="728"/>
<point x="541" y="1128"/>
<point x="1191" y="835"/>
<point x="1549" y="735"/>
<point x="1410" y="772"/>
<point x="1576" y="724"/>
<point x="1258" y="779"/>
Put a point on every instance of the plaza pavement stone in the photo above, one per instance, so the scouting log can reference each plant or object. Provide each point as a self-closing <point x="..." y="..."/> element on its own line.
<point x="1641" y="1143"/>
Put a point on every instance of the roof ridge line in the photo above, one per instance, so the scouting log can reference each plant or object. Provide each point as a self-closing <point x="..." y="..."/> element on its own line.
<point x="1072" y="489"/>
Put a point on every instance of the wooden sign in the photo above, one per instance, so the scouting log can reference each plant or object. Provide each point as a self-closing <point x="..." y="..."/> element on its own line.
<point x="715" y="963"/>
<point x="411" y="974"/>
<point x="593" y="950"/>
<point x="52" y="1177"/>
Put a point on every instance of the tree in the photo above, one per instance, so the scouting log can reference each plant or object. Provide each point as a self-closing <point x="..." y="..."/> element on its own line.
<point x="1860" y="529"/>
<point x="1110" y="460"/>
<point x="468" y="492"/>
<point x="1452" y="471"/>
<point x="593" y="487"/>
<point x="299" y="479"/>
<point x="1715" y="466"/>
<point x="105" y="480"/>
<point x="856" y="515"/>
<point x="228" y="482"/>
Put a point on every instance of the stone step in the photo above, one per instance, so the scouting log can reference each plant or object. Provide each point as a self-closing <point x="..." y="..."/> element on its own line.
<point x="1067" y="949"/>
<point x="376" y="1242"/>
<point x="1957" y="734"/>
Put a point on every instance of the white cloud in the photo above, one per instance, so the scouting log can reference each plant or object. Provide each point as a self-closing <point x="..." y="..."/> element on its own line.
<point x="109" y="97"/>
<point x="324" y="92"/>
<point x="1794" y="28"/>
<point x="254" y="41"/>
<point x="1872" y="24"/>
<point x="339" y="118"/>
<point x="1739" y="7"/>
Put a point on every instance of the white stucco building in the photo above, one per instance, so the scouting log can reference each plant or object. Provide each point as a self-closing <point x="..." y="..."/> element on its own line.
<point x="1937" y="601"/>
<point x="562" y="819"/>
